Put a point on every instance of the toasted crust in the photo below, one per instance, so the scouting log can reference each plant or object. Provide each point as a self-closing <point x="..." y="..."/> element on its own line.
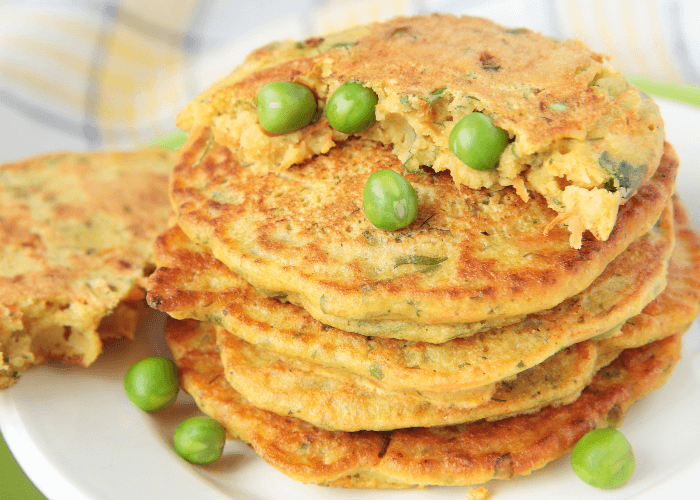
<point x="76" y="233"/>
<point x="470" y="255"/>
<point x="464" y="454"/>
<point x="190" y="283"/>
<point x="337" y="400"/>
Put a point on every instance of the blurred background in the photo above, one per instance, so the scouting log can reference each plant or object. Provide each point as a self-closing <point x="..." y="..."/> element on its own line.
<point x="112" y="74"/>
<point x="88" y="74"/>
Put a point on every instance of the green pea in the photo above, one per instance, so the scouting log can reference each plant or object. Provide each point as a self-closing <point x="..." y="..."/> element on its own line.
<point x="285" y="107"/>
<point x="350" y="109"/>
<point x="389" y="200"/>
<point x="477" y="141"/>
<point x="151" y="384"/>
<point x="200" y="440"/>
<point x="603" y="458"/>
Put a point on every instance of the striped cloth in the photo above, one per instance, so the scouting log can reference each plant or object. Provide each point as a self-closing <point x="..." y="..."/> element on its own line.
<point x="82" y="74"/>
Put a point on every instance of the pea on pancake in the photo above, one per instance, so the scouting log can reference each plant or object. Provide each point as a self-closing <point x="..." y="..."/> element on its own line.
<point x="577" y="132"/>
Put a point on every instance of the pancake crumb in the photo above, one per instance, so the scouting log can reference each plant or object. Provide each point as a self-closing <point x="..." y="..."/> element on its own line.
<point x="479" y="493"/>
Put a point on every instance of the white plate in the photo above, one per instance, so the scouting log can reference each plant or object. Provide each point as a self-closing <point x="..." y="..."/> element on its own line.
<point x="77" y="436"/>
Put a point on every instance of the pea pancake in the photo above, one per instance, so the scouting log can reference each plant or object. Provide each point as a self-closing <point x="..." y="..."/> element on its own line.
<point x="76" y="233"/>
<point x="330" y="399"/>
<point x="470" y="256"/>
<point x="334" y="400"/>
<point x="191" y="283"/>
<point x="464" y="454"/>
<point x="579" y="134"/>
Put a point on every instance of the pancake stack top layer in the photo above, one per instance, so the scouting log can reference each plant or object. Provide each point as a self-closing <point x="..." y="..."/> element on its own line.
<point x="353" y="356"/>
<point x="567" y="112"/>
<point x="76" y="233"/>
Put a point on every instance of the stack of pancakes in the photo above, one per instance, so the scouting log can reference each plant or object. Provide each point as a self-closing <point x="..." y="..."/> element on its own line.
<point x="481" y="341"/>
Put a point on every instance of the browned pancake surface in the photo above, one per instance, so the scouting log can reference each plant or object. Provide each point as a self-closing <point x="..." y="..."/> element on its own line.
<point x="463" y="454"/>
<point x="470" y="255"/>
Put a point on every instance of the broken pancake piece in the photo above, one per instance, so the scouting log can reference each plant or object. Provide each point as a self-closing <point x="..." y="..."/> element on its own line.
<point x="579" y="133"/>
<point x="76" y="233"/>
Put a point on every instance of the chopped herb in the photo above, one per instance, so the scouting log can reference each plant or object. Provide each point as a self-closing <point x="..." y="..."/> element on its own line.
<point x="375" y="371"/>
<point x="403" y="99"/>
<point x="558" y="107"/>
<point x="426" y="221"/>
<point x="521" y="364"/>
<point x="433" y="96"/>
<point x="517" y="31"/>
<point x="628" y="177"/>
<point x="608" y="333"/>
<point x="419" y="260"/>
<point x="207" y="147"/>
<point x="370" y="237"/>
<point x="610" y="185"/>
<point x="343" y="45"/>
<point x="322" y="304"/>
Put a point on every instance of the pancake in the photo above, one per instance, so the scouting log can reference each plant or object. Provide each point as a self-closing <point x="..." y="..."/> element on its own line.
<point x="581" y="135"/>
<point x="190" y="283"/>
<point x="453" y="455"/>
<point x="336" y="401"/>
<point x="677" y="307"/>
<point x="331" y="399"/>
<point x="76" y="232"/>
<point x="470" y="255"/>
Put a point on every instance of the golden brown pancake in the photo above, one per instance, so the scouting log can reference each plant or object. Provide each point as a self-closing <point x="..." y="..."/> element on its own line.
<point x="76" y="233"/>
<point x="470" y="255"/>
<point x="190" y="283"/>
<point x="453" y="455"/>
<point x="335" y="400"/>
<point x="581" y="134"/>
